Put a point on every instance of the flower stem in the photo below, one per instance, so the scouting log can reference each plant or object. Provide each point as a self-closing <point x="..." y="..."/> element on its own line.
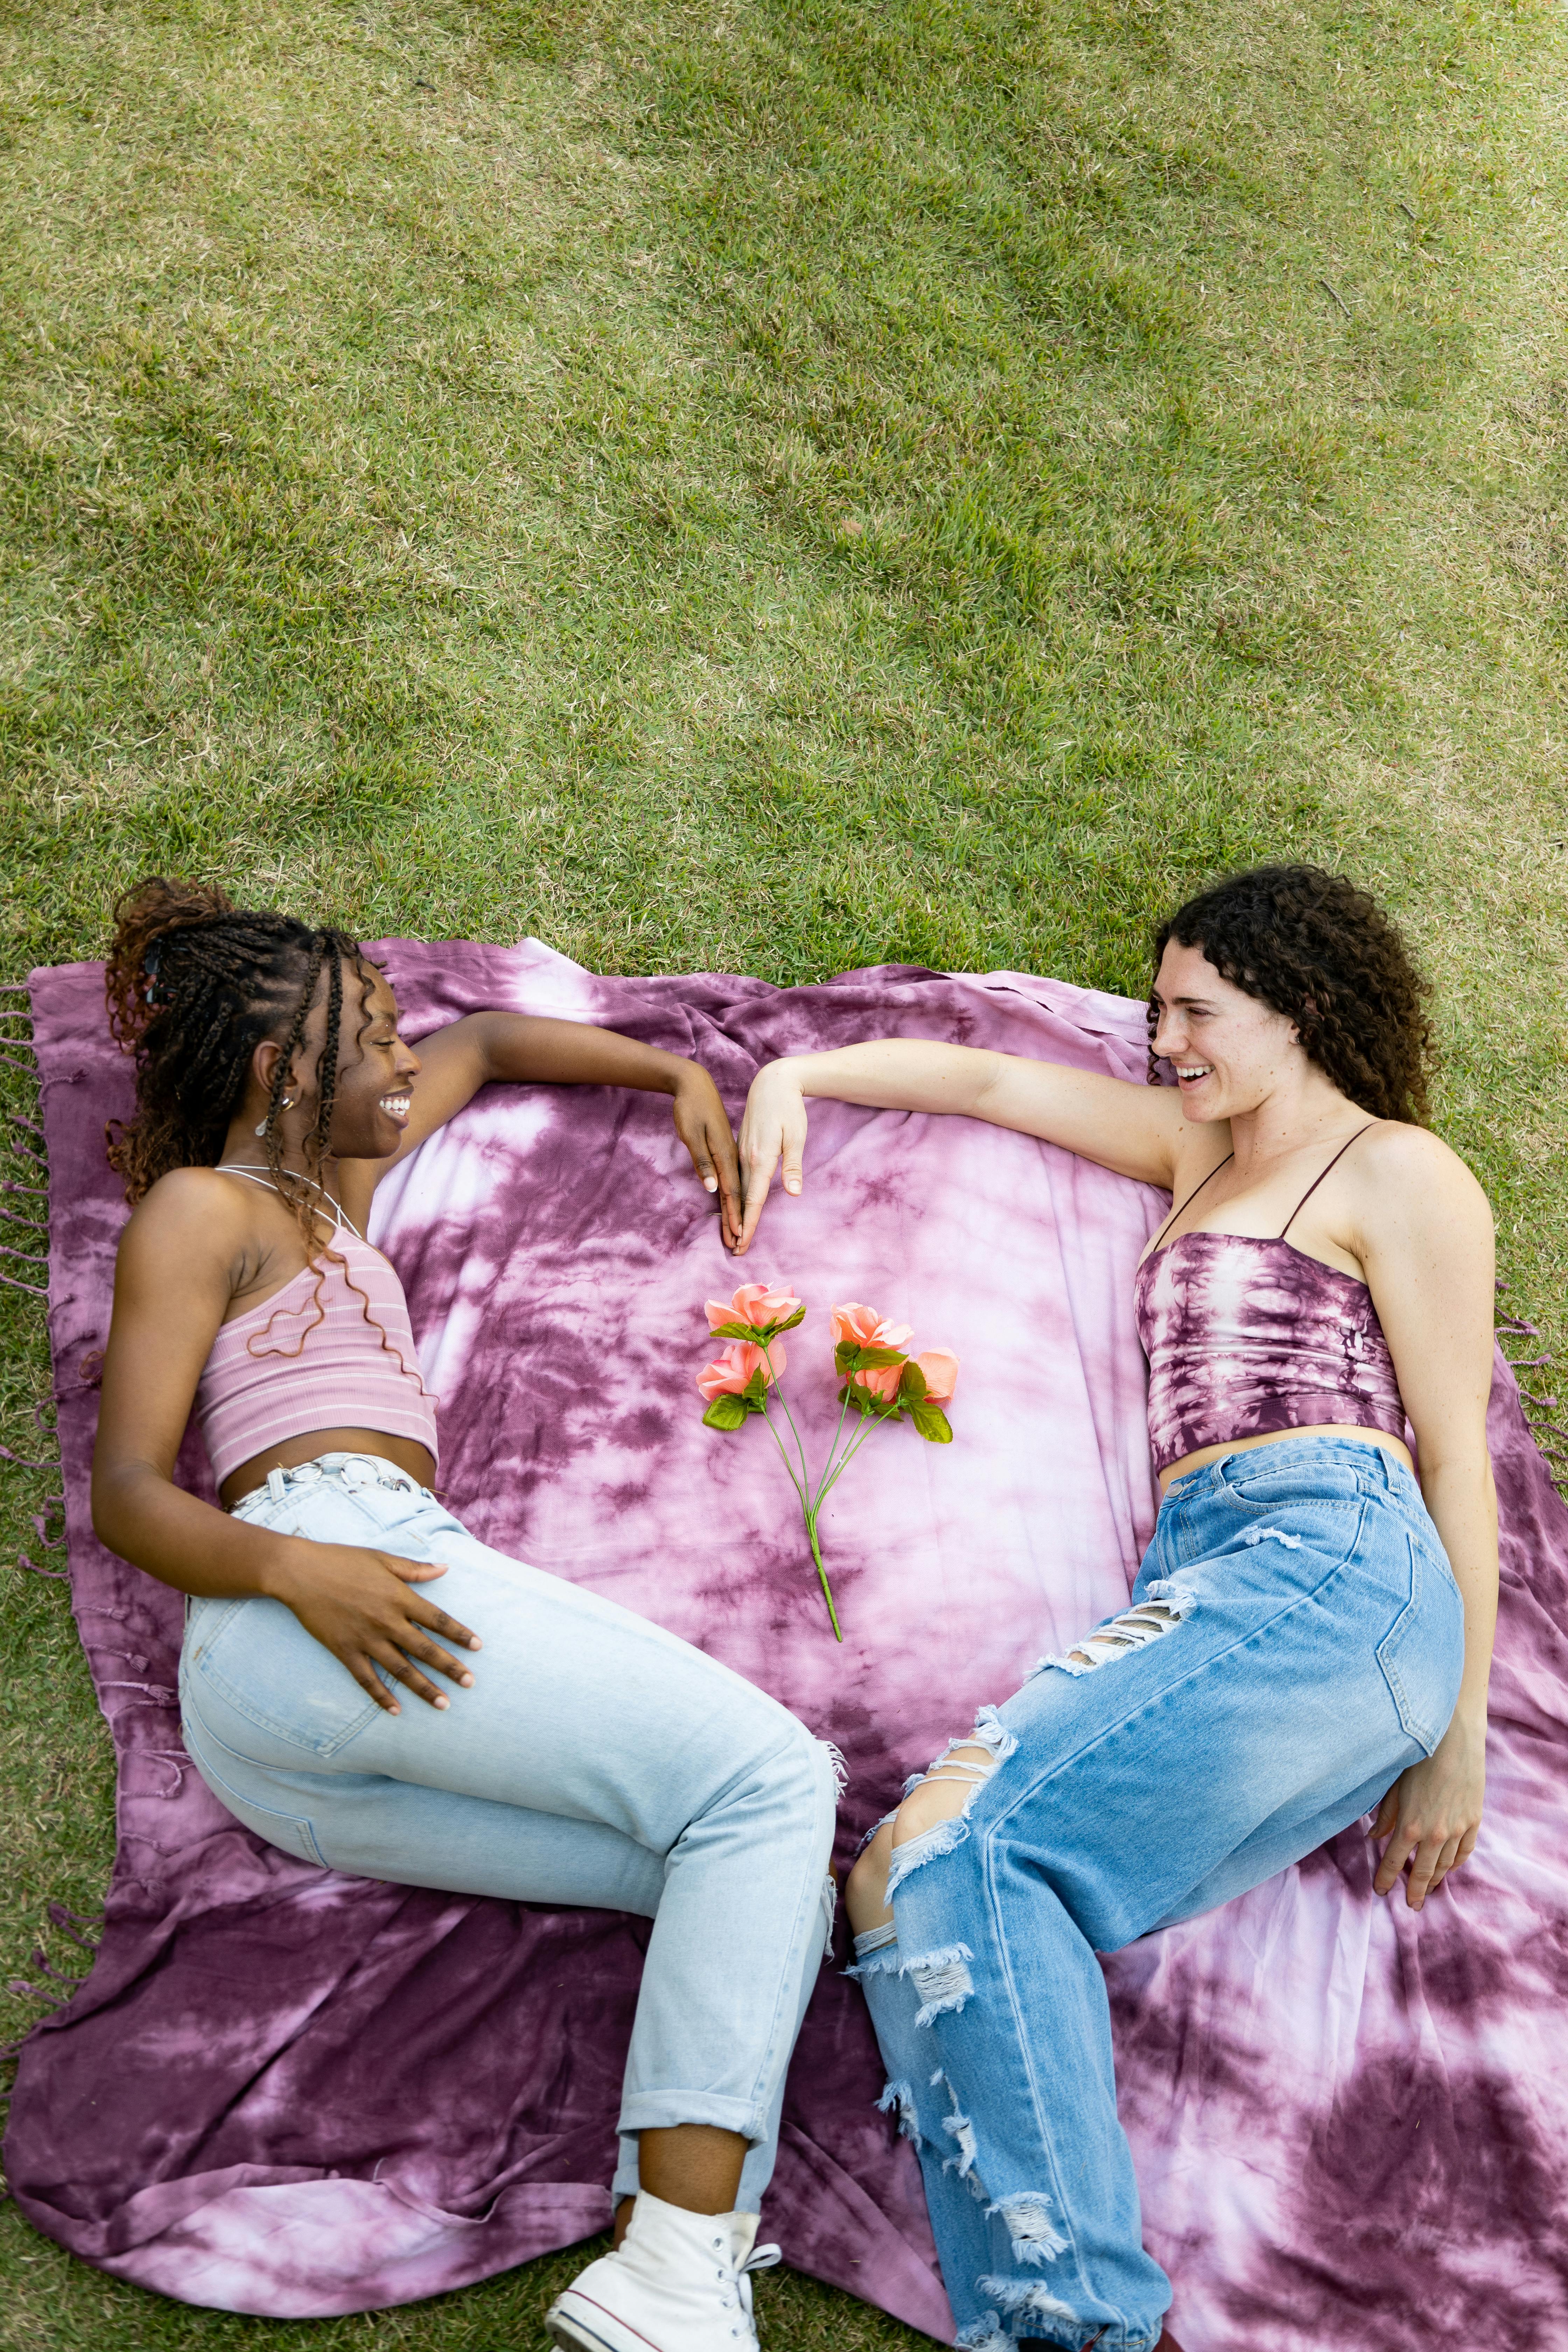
<point x="843" y="1416"/>
<point x="778" y="1392"/>
<point x="850" y="1451"/>
<point x="802" y="1493"/>
<point x="822" y="1572"/>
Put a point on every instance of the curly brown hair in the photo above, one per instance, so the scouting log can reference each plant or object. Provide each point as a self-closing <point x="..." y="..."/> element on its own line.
<point x="1321" y="952"/>
<point x="194" y="984"/>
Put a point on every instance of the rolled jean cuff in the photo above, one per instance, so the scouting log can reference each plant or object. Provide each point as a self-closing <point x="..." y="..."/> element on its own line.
<point x="663" y="2110"/>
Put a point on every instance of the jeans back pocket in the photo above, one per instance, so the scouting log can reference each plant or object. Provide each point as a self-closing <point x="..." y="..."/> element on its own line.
<point x="1423" y="1653"/>
<point x="256" y="1659"/>
<point x="1267" y="1489"/>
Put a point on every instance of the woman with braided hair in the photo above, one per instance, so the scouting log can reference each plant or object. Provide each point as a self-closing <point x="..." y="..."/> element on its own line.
<point x="1310" y="1636"/>
<point x="555" y="1749"/>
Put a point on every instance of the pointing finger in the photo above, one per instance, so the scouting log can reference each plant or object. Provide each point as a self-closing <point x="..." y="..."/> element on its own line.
<point x="758" y="1174"/>
<point x="728" y="1168"/>
<point x="793" y="1154"/>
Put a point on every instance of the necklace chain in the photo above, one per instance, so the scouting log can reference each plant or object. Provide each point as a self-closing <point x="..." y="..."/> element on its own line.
<point x="265" y="1176"/>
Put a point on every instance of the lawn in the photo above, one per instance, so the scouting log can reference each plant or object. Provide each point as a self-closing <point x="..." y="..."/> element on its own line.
<point x="780" y="488"/>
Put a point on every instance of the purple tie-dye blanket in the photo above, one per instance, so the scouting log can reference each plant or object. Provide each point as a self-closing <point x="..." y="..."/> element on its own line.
<point x="288" y="2092"/>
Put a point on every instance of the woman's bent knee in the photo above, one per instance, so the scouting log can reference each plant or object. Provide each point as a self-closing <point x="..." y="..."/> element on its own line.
<point x="800" y="1782"/>
<point x="947" y="1790"/>
<point x="865" y="1893"/>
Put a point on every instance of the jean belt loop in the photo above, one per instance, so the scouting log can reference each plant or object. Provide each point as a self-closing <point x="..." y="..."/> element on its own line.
<point x="1376" y="1474"/>
<point x="277" y="1484"/>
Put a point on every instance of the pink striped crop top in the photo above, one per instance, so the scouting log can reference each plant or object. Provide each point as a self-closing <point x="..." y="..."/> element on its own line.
<point x="332" y="1349"/>
<point x="1247" y="1335"/>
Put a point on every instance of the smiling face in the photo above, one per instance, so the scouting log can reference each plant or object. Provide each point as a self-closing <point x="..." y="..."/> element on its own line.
<point x="1230" y="1051"/>
<point x="375" y="1073"/>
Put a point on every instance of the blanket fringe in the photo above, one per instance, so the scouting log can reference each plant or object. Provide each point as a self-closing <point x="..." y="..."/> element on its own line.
<point x="69" y="1923"/>
<point x="24" y="1196"/>
<point x="61" y="1917"/>
<point x="1551" y="1437"/>
<point x="72" y="1922"/>
<point x="21" y="1127"/>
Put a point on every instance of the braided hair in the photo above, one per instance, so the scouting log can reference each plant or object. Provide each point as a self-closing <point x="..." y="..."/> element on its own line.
<point x="1322" y="952"/>
<point x="194" y="984"/>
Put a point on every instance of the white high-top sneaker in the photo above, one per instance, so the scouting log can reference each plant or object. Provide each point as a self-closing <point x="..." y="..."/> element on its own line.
<point x="679" y="2282"/>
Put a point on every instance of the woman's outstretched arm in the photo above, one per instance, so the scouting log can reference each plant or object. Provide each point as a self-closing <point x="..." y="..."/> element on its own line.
<point x="1132" y="1128"/>
<point x="515" y="1047"/>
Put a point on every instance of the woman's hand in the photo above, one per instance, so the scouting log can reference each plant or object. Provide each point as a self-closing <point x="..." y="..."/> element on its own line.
<point x="1432" y="1815"/>
<point x="357" y="1604"/>
<point x="703" y="1126"/>
<point x="774" y="1126"/>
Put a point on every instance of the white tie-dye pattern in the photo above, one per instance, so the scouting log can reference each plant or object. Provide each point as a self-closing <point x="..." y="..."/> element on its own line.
<point x="1245" y="1336"/>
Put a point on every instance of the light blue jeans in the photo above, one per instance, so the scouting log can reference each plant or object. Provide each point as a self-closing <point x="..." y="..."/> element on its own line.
<point x="597" y="1759"/>
<point x="1294" y="1641"/>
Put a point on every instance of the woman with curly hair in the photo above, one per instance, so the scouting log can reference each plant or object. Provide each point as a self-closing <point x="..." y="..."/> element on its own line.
<point x="584" y="1756"/>
<point x="1310" y="1634"/>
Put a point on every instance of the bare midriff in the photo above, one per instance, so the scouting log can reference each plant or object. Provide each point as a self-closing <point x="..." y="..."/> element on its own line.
<point x="405" y="1451"/>
<point x="1362" y="1436"/>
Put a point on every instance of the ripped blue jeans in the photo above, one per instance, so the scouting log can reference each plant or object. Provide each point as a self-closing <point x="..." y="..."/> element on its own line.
<point x="597" y="1759"/>
<point x="1293" y="1642"/>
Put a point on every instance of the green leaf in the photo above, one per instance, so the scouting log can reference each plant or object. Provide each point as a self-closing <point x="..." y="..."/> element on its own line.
<point x="913" y="1382"/>
<point x="755" y="1389"/>
<point x="856" y="1399"/>
<point x="931" y="1423"/>
<point x="724" y="1413"/>
<point x="798" y="1316"/>
<point x="844" y="1355"/>
<point x="736" y="1331"/>
<point x="877" y="1359"/>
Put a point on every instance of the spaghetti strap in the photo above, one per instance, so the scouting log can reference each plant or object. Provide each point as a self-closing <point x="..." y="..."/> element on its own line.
<point x="1192" y="1196"/>
<point x="339" y="1217"/>
<point x="1318" y="1179"/>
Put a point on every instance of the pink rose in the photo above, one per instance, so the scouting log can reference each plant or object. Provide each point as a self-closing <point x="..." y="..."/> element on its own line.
<point x="940" y="1366"/>
<point x="881" y="1382"/>
<point x="862" y="1327"/>
<point x="761" y="1304"/>
<point x="732" y="1371"/>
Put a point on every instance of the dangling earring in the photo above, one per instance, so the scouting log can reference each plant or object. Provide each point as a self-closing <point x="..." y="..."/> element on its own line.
<point x="286" y="1103"/>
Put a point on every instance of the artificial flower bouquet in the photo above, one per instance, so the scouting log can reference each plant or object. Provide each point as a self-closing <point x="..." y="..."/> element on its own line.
<point x="880" y="1382"/>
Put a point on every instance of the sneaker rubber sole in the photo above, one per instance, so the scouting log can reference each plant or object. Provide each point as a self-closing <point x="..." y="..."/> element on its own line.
<point x="579" y="2333"/>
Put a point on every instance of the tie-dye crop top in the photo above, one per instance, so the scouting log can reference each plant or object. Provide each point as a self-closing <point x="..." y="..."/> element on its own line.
<point x="1245" y="1336"/>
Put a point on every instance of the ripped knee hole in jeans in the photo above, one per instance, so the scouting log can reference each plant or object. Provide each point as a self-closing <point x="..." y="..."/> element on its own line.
<point x="944" y="1984"/>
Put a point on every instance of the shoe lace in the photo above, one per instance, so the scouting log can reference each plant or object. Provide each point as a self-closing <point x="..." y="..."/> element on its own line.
<point x="735" y="2279"/>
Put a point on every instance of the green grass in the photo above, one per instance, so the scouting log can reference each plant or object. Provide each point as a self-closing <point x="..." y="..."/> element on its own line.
<point x="775" y="487"/>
